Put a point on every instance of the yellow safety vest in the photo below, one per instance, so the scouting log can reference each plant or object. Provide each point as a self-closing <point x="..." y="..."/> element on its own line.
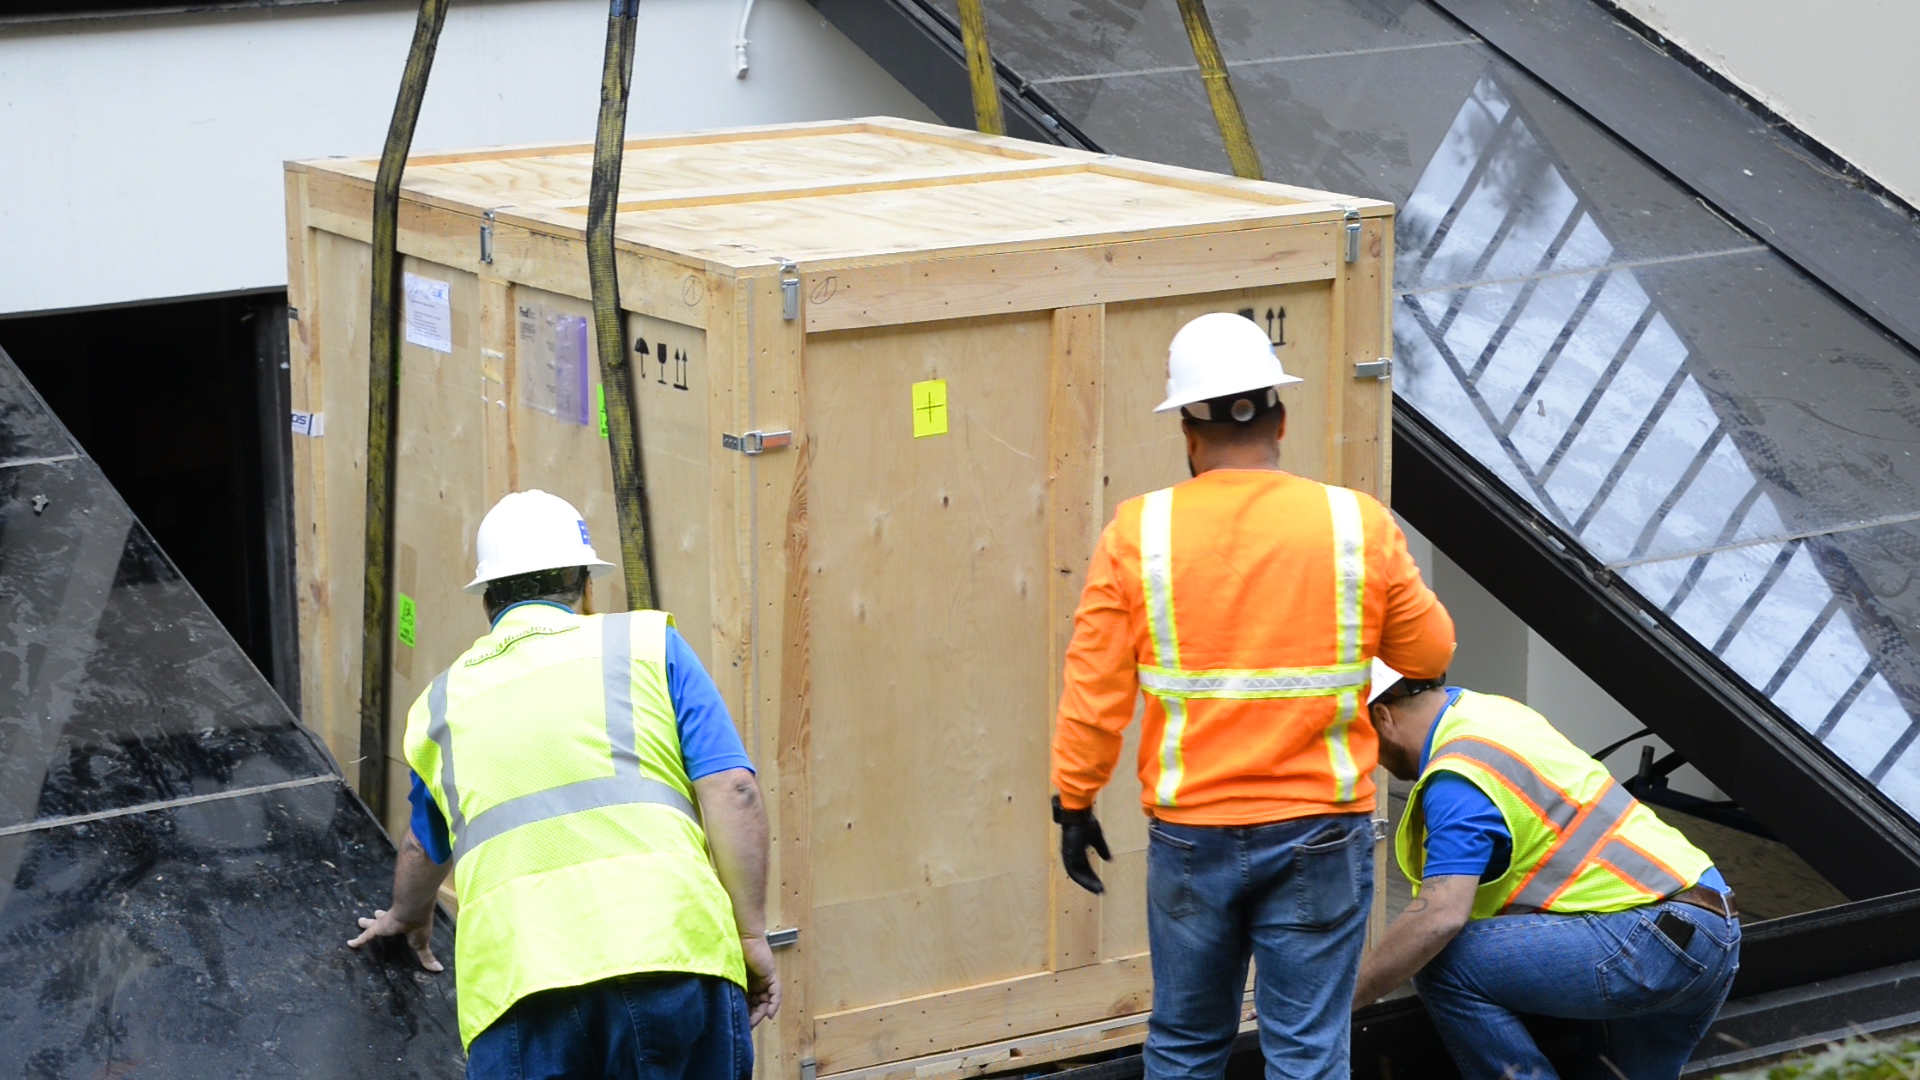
<point x="552" y="750"/>
<point x="1580" y="842"/>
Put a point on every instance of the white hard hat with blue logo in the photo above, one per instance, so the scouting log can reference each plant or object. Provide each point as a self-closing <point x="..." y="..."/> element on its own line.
<point x="530" y="531"/>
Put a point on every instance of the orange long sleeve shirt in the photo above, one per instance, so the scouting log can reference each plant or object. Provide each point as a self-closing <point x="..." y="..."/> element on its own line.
<point x="1254" y="581"/>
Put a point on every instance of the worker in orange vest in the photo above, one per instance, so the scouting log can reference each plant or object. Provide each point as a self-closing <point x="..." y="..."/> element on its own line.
<point x="1247" y="603"/>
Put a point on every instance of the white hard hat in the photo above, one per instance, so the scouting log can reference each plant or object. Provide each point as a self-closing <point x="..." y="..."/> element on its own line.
<point x="1217" y="355"/>
<point x="1381" y="681"/>
<point x="530" y="531"/>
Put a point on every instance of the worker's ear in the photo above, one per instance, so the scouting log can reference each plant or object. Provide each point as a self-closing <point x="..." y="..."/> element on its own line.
<point x="1381" y="716"/>
<point x="586" y="597"/>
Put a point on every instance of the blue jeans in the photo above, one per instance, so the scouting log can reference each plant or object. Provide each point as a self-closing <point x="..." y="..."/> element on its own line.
<point x="1647" y="1001"/>
<point x="1292" y="895"/>
<point x="636" y="1027"/>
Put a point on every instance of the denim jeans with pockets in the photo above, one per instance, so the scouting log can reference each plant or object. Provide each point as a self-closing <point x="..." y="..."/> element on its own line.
<point x="1647" y="1000"/>
<point x="1293" y="896"/>
<point x="669" y="1026"/>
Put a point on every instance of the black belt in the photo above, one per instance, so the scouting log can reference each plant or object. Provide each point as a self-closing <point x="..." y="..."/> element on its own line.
<point x="1680" y="931"/>
<point x="1700" y="896"/>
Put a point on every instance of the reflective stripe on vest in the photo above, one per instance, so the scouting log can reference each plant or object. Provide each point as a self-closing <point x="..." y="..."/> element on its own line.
<point x="1584" y="833"/>
<point x="1174" y="686"/>
<point x="624" y="787"/>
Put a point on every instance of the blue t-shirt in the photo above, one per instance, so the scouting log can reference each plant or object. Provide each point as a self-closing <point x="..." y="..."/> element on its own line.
<point x="708" y="741"/>
<point x="1466" y="834"/>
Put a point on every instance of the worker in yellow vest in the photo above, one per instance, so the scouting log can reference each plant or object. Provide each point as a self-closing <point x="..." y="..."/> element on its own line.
<point x="1544" y="889"/>
<point x="580" y="777"/>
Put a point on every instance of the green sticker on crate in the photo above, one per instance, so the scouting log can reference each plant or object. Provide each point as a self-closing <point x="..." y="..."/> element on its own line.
<point x="600" y="403"/>
<point x="404" y="621"/>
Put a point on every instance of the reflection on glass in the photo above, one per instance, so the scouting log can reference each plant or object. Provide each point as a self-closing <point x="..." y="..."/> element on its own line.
<point x="1525" y="339"/>
<point x="1689" y="408"/>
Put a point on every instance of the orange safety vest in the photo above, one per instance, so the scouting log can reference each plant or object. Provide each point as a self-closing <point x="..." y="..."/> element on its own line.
<point x="1255" y="600"/>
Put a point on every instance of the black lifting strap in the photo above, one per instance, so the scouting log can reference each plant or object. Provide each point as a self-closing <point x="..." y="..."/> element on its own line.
<point x="609" y="322"/>
<point x="383" y="410"/>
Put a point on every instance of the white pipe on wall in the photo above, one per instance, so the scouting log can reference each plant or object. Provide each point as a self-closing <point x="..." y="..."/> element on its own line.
<point x="740" y="42"/>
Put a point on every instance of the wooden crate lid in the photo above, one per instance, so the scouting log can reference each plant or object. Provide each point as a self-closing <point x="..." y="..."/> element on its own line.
<point x="860" y="190"/>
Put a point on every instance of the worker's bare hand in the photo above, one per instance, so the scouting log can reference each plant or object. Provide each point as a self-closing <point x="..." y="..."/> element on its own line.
<point x="419" y="937"/>
<point x="763" y="982"/>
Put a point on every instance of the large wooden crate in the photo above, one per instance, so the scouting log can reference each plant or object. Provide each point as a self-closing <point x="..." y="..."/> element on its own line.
<point x="885" y="612"/>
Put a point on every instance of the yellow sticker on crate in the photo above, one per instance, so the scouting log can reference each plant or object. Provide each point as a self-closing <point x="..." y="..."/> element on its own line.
<point x="404" y="620"/>
<point x="929" y="408"/>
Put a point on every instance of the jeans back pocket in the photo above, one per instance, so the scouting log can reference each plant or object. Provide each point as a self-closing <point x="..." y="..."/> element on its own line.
<point x="1331" y="874"/>
<point x="1169" y="872"/>
<point x="1648" y="971"/>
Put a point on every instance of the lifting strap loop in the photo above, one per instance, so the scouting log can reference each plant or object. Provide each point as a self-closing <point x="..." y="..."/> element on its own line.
<point x="383" y="409"/>
<point x="609" y="322"/>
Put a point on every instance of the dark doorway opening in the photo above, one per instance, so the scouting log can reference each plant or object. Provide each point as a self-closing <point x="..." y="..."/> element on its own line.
<point x="184" y="405"/>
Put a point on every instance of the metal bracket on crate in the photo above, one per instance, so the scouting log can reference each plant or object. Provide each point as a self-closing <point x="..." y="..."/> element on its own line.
<point x="780" y="939"/>
<point x="1353" y="236"/>
<point x="789" y="291"/>
<point x="486" y="237"/>
<point x="757" y="442"/>
<point x="1374" y="369"/>
<point x="1379" y="829"/>
<point x="808" y="1069"/>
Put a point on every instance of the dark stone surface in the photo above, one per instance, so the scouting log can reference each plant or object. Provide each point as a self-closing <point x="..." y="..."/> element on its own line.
<point x="210" y="941"/>
<point x="117" y="686"/>
<point x="155" y="937"/>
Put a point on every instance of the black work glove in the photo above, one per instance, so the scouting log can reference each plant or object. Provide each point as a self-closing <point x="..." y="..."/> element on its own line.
<point x="1078" y="832"/>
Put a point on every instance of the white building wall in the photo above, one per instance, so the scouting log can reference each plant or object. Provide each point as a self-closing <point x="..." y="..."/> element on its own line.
<point x="1500" y="654"/>
<point x="1842" y="71"/>
<point x="140" y="158"/>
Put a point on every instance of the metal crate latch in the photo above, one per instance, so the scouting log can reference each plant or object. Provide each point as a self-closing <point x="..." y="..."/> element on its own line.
<point x="789" y="291"/>
<point x="808" y="1069"/>
<point x="757" y="442"/>
<point x="780" y="939"/>
<point x="1353" y="236"/>
<point x="486" y="237"/>
<point x="1374" y="369"/>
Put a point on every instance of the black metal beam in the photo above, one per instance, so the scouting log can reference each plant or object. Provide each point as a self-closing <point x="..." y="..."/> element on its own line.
<point x="274" y="403"/>
<point x="1846" y="829"/>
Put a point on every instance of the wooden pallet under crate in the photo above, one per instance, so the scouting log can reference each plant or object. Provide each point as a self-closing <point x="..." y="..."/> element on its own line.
<point x="885" y="611"/>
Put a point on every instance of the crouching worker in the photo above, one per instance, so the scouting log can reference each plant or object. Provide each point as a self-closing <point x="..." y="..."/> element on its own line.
<point x="1544" y="888"/>
<point x="573" y="772"/>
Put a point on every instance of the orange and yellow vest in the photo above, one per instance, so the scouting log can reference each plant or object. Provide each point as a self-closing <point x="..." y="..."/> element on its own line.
<point x="1245" y="605"/>
<point x="1580" y="842"/>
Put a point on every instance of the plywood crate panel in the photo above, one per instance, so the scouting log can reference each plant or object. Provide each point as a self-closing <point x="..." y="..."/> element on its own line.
<point x="885" y="614"/>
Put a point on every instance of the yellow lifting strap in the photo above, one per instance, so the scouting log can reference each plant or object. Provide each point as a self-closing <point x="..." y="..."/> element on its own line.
<point x="1226" y="106"/>
<point x="986" y="89"/>
<point x="383" y="408"/>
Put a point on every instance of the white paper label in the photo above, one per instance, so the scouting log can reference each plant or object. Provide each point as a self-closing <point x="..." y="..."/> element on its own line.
<point x="429" y="313"/>
<point x="311" y="424"/>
